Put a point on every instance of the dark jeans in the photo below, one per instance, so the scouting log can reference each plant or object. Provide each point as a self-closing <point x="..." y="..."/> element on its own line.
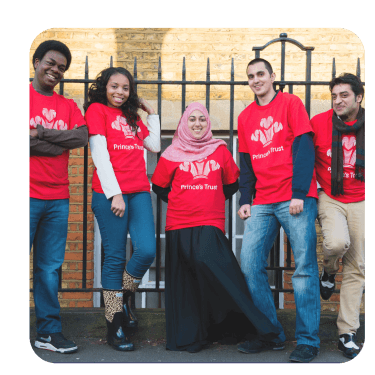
<point x="139" y="220"/>
<point x="48" y="231"/>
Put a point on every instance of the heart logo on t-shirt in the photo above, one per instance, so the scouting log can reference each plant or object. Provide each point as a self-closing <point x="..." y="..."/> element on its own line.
<point x="270" y="128"/>
<point x="49" y="121"/>
<point x="49" y="114"/>
<point x="200" y="169"/>
<point x="349" y="149"/>
<point x="121" y="124"/>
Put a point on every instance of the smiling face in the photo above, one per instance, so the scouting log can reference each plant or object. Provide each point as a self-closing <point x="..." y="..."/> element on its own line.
<point x="260" y="80"/>
<point x="345" y="103"/>
<point x="197" y="124"/>
<point x="118" y="90"/>
<point x="49" y="71"/>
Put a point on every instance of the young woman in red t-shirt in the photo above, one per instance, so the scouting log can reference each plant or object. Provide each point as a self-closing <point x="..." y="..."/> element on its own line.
<point x="206" y="296"/>
<point x="121" y="198"/>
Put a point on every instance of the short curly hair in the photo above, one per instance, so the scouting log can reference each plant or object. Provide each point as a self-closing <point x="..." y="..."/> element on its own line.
<point x="349" y="78"/>
<point x="54" y="45"/>
<point x="98" y="94"/>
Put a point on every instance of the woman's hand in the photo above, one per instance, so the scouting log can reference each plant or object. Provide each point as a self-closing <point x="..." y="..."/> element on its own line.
<point x="118" y="205"/>
<point x="146" y="106"/>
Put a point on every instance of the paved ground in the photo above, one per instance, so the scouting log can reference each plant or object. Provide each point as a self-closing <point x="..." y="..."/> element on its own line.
<point x="88" y="329"/>
<point x="96" y="351"/>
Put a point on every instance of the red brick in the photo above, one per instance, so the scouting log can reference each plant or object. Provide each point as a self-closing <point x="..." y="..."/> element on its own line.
<point x="85" y="304"/>
<point x="72" y="275"/>
<point x="76" y="179"/>
<point x="77" y="295"/>
<point x="75" y="236"/>
<point x="290" y="306"/>
<point x="74" y="256"/>
<point x="75" y="217"/>
<point x="89" y="266"/>
<point x="288" y="297"/>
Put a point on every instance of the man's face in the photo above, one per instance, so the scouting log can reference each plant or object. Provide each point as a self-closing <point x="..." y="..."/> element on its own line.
<point x="345" y="103"/>
<point x="260" y="80"/>
<point x="50" y="70"/>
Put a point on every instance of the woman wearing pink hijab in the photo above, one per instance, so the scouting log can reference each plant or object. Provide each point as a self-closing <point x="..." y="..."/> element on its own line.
<point x="206" y="296"/>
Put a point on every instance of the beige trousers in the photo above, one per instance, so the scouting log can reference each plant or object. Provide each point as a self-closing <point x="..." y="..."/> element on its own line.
<point x="343" y="228"/>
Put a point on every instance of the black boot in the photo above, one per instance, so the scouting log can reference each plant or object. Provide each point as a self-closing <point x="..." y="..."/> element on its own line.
<point x="129" y="319"/>
<point x="115" y="335"/>
<point x="129" y="284"/>
<point x="113" y="316"/>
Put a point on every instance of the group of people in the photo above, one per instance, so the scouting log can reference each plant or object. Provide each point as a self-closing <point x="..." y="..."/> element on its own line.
<point x="208" y="295"/>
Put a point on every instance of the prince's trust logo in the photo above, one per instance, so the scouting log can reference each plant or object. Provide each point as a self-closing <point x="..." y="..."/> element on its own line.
<point x="269" y="130"/>
<point x="349" y="151"/>
<point x="200" y="168"/>
<point x="47" y="120"/>
<point x="121" y="124"/>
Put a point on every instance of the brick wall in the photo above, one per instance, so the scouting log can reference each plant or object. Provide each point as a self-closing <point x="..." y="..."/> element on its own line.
<point x="196" y="45"/>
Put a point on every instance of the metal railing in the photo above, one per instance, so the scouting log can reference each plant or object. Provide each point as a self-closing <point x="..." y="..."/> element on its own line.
<point x="274" y="259"/>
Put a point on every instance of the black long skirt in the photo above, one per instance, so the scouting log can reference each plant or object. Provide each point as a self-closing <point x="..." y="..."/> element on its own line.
<point x="206" y="296"/>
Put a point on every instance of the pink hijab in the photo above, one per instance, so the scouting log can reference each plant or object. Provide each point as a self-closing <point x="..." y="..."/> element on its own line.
<point x="184" y="146"/>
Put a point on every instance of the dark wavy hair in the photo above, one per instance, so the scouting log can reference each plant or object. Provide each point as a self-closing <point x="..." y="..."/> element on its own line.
<point x="354" y="82"/>
<point x="98" y="94"/>
<point x="54" y="45"/>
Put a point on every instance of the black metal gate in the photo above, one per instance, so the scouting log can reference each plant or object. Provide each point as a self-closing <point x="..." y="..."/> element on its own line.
<point x="274" y="259"/>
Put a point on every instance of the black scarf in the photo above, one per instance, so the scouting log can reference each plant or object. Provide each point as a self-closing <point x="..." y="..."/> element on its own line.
<point x="337" y="169"/>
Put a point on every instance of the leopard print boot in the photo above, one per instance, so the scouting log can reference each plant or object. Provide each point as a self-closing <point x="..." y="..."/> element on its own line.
<point x="130" y="284"/>
<point x="113" y="316"/>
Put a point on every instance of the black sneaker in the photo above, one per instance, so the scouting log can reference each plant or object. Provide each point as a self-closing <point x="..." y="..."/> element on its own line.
<point x="304" y="353"/>
<point x="348" y="345"/>
<point x="327" y="284"/>
<point x="56" y="342"/>
<point x="256" y="346"/>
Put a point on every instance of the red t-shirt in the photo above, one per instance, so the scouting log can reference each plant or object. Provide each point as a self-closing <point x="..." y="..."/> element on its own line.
<point x="197" y="196"/>
<point x="125" y="148"/>
<point x="267" y="134"/>
<point x="49" y="174"/>
<point x="353" y="188"/>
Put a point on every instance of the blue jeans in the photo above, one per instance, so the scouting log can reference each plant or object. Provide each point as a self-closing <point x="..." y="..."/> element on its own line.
<point x="139" y="220"/>
<point x="48" y="231"/>
<point x="261" y="229"/>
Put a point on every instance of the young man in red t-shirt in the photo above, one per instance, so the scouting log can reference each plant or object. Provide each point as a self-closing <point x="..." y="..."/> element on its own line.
<point x="339" y="163"/>
<point x="56" y="125"/>
<point x="277" y="165"/>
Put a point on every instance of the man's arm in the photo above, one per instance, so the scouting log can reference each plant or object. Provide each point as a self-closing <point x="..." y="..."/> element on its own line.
<point x="247" y="179"/>
<point x="303" y="168"/>
<point x="43" y="148"/>
<point x="69" y="139"/>
<point x="246" y="185"/>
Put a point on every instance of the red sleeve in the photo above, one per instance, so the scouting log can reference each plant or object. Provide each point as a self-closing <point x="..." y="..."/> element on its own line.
<point x="95" y="119"/>
<point x="298" y="119"/>
<point x="230" y="170"/>
<point x="76" y="117"/>
<point x="164" y="172"/>
<point x="242" y="145"/>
